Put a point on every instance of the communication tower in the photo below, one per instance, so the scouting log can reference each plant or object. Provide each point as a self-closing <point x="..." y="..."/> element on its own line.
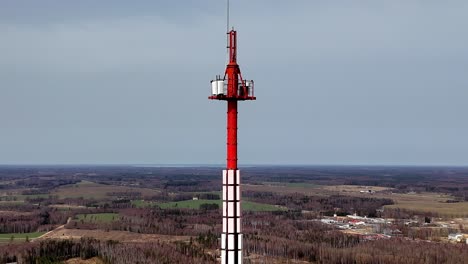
<point x="232" y="88"/>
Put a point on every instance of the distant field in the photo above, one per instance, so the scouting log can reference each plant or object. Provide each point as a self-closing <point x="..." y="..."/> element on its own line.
<point x="423" y="202"/>
<point x="443" y="209"/>
<point x="84" y="189"/>
<point x="189" y="204"/>
<point x="195" y="204"/>
<point x="18" y="237"/>
<point x="303" y="185"/>
<point x="33" y="196"/>
<point x="313" y="189"/>
<point x="18" y="196"/>
<point x="91" y="190"/>
<point x="66" y="207"/>
<point x="283" y="188"/>
<point x="429" y="202"/>
<point x="11" y="202"/>
<point x="85" y="183"/>
<point x="14" y="213"/>
<point x="355" y="188"/>
<point x="259" y="207"/>
<point x="104" y="217"/>
<point x="143" y="204"/>
<point x="213" y="192"/>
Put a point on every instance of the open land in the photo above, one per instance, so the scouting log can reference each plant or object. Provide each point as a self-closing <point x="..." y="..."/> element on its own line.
<point x="245" y="205"/>
<point x="19" y="237"/>
<point x="92" y="190"/>
<point x="122" y="236"/>
<point x="289" y="212"/>
<point x="422" y="201"/>
<point x="102" y="217"/>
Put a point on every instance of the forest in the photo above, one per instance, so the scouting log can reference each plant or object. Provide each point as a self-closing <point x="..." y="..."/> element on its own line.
<point x="123" y="214"/>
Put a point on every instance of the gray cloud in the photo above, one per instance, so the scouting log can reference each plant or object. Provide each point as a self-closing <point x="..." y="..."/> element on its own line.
<point x="366" y="82"/>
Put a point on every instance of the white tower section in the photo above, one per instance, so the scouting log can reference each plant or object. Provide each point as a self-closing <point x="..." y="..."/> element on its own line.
<point x="231" y="237"/>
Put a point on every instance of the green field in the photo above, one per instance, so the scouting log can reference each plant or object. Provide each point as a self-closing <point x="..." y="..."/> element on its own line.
<point x="20" y="198"/>
<point x="18" y="237"/>
<point x="143" y="203"/>
<point x="259" y="207"/>
<point x="195" y="204"/>
<point x="103" y="217"/>
<point x="213" y="192"/>
<point x="12" y="202"/>
<point x="188" y="204"/>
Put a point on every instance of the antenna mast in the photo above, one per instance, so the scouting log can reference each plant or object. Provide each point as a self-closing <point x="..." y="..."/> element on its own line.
<point x="227" y="17"/>
<point x="227" y="29"/>
<point x="231" y="88"/>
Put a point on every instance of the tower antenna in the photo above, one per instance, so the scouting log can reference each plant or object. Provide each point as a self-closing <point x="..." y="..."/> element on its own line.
<point x="227" y="27"/>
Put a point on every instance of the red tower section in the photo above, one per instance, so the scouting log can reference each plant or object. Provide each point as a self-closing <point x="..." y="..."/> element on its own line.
<point x="232" y="88"/>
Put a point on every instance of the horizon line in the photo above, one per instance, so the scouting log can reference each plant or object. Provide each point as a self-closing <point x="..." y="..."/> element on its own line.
<point x="221" y="165"/>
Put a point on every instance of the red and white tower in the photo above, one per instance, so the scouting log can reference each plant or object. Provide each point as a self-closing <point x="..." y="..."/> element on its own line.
<point x="232" y="88"/>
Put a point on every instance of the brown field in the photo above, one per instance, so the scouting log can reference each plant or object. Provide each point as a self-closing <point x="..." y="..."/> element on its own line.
<point x="11" y="192"/>
<point x="318" y="190"/>
<point x="84" y="261"/>
<point x="429" y="202"/>
<point x="423" y="202"/>
<point x="285" y="189"/>
<point x="261" y="259"/>
<point x="354" y="188"/>
<point x="67" y="206"/>
<point x="122" y="236"/>
<point x="88" y="190"/>
<point x="360" y="231"/>
<point x="14" y="213"/>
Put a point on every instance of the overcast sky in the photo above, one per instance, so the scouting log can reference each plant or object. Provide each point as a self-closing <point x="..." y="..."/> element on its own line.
<point x="338" y="82"/>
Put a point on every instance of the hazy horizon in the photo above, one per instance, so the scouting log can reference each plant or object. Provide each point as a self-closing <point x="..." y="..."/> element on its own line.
<point x="241" y="165"/>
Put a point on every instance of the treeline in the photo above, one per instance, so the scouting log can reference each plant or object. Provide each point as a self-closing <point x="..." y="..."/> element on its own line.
<point x="340" y="204"/>
<point x="283" y="234"/>
<point x="29" y="218"/>
<point x="293" y="239"/>
<point x="395" y="251"/>
<point x="197" y="179"/>
<point x="37" y="220"/>
<point x="159" y="221"/>
<point x="112" y="252"/>
<point x="400" y="213"/>
<point x="54" y="199"/>
<point x="309" y="240"/>
<point x="44" y="184"/>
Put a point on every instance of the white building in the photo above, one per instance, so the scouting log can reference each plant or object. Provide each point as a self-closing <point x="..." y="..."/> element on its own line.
<point x="458" y="237"/>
